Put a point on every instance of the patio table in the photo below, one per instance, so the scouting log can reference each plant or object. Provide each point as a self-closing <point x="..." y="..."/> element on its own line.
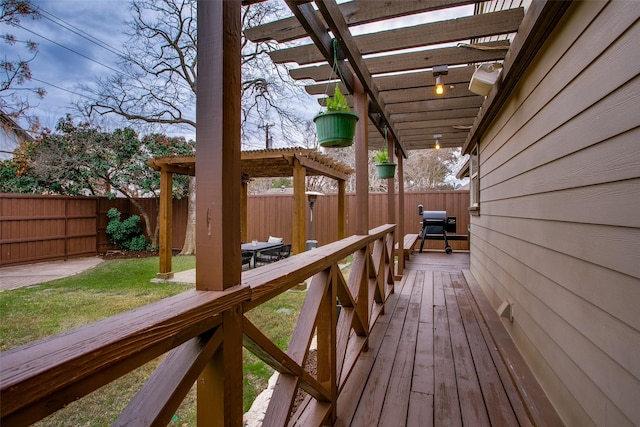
<point x="257" y="247"/>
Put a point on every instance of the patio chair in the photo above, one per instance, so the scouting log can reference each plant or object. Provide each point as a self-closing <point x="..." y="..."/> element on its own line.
<point x="247" y="256"/>
<point x="285" y="251"/>
<point x="268" y="255"/>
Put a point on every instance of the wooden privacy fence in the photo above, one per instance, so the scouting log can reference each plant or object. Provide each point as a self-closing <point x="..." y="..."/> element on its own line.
<point x="38" y="228"/>
<point x="203" y="332"/>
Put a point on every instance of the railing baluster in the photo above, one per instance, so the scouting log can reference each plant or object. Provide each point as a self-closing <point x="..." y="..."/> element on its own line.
<point x="157" y="401"/>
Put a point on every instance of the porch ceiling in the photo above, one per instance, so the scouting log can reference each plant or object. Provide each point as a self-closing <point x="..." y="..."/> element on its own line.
<point x="395" y="65"/>
<point x="270" y="163"/>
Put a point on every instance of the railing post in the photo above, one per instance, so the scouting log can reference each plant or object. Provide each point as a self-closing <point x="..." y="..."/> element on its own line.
<point x="220" y="384"/>
<point x="326" y="354"/>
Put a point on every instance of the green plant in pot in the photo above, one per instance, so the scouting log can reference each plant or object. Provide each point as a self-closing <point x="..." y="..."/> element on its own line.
<point x="384" y="168"/>
<point x="336" y="126"/>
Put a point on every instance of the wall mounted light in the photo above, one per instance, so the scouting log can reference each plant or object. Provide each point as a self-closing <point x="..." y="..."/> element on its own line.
<point x="438" y="72"/>
<point x="484" y="78"/>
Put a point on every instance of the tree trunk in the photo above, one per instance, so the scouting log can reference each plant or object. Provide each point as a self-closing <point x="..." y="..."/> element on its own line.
<point x="147" y="222"/>
<point x="189" y="247"/>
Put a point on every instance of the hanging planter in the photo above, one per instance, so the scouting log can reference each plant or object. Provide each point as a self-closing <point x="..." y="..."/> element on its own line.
<point x="337" y="126"/>
<point x="384" y="168"/>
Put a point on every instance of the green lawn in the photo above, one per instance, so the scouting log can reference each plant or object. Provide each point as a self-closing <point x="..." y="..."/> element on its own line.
<point x="35" y="312"/>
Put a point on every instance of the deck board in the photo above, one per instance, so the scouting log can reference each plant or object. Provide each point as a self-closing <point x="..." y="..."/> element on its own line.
<point x="431" y="358"/>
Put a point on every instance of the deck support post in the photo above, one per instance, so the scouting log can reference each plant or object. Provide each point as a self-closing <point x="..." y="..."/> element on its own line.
<point x="360" y="105"/>
<point x="326" y="355"/>
<point x="218" y="226"/>
<point x="400" y="224"/>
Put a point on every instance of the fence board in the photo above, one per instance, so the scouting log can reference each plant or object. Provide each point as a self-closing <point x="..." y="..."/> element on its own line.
<point x="39" y="228"/>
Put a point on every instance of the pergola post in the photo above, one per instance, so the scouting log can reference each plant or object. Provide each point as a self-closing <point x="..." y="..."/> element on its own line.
<point x="342" y="209"/>
<point x="243" y="209"/>
<point x="391" y="185"/>
<point x="299" y="204"/>
<point x="400" y="226"/>
<point x="218" y="259"/>
<point x="165" y="217"/>
<point x="360" y="105"/>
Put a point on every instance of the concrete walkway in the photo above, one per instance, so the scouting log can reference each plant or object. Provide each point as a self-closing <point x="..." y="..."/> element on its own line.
<point x="18" y="276"/>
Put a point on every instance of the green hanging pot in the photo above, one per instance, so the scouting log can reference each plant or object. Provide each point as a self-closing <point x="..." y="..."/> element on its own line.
<point x="386" y="170"/>
<point x="336" y="128"/>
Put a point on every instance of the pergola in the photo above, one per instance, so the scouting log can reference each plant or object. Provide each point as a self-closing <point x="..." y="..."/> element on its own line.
<point x="272" y="163"/>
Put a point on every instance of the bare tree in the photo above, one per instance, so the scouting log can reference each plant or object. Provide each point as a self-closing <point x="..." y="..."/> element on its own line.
<point x="16" y="70"/>
<point x="428" y="169"/>
<point x="158" y="84"/>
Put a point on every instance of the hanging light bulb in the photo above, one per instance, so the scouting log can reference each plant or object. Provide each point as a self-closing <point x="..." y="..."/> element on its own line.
<point x="437" y="144"/>
<point x="438" y="72"/>
<point x="439" y="88"/>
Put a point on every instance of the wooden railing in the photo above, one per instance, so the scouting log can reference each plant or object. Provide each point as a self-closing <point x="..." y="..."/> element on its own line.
<point x="39" y="378"/>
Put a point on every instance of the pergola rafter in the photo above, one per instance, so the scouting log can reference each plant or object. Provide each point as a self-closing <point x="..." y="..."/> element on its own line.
<point x="394" y="66"/>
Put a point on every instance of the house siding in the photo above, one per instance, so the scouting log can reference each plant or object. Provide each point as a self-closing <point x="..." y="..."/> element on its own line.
<point x="559" y="227"/>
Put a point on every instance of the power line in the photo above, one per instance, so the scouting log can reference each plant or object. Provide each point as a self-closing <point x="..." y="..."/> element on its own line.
<point x="70" y="27"/>
<point x="70" y="50"/>
<point x="93" y="40"/>
<point x="63" y="89"/>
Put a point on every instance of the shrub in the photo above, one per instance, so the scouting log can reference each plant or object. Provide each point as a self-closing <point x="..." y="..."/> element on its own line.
<point x="125" y="234"/>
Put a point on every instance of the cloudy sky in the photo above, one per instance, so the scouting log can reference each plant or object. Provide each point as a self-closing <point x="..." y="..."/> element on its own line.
<point x="77" y="43"/>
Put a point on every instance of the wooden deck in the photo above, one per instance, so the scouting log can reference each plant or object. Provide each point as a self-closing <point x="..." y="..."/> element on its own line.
<point x="432" y="360"/>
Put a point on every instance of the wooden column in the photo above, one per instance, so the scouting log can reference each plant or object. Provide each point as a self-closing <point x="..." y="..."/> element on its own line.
<point x="218" y="260"/>
<point x="400" y="227"/>
<point x="391" y="185"/>
<point x="243" y="209"/>
<point x="326" y="353"/>
<point x="342" y="209"/>
<point x="217" y="390"/>
<point x="360" y="104"/>
<point x="299" y="208"/>
<point x="165" y="216"/>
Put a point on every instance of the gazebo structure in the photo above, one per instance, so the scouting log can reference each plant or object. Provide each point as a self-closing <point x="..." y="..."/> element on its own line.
<point x="271" y="163"/>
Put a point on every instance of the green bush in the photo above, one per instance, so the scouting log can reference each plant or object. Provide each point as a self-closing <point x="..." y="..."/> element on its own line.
<point x="125" y="234"/>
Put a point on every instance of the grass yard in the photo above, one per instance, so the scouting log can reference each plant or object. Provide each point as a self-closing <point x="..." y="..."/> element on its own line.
<point x="32" y="313"/>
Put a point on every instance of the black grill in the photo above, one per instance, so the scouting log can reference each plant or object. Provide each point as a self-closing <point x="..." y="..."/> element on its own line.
<point x="435" y="225"/>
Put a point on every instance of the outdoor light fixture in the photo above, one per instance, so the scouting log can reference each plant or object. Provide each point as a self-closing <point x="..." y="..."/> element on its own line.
<point x="313" y="197"/>
<point x="484" y="78"/>
<point x="438" y="72"/>
<point x="439" y="86"/>
<point x="437" y="137"/>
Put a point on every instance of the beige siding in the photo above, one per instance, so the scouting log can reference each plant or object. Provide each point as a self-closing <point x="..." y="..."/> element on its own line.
<point x="559" y="226"/>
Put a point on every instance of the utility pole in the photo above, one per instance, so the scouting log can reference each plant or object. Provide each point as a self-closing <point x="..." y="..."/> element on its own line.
<point x="266" y="127"/>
